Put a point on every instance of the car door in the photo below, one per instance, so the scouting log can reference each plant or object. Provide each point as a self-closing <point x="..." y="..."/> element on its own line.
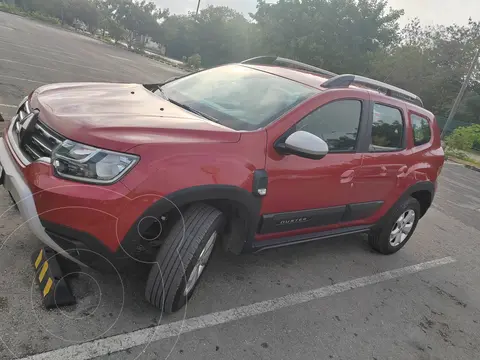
<point x="384" y="164"/>
<point x="305" y="194"/>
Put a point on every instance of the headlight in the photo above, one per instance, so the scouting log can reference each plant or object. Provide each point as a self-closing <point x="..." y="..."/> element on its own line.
<point x="85" y="163"/>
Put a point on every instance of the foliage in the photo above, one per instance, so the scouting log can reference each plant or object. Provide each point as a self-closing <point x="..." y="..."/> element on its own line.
<point x="432" y="62"/>
<point x="463" y="138"/>
<point x="218" y="34"/>
<point x="43" y="17"/>
<point x="339" y="35"/>
<point x="457" y="154"/>
<point x="194" y="61"/>
<point x="11" y="9"/>
<point x="115" y="31"/>
<point x="33" y="14"/>
<point x="132" y="19"/>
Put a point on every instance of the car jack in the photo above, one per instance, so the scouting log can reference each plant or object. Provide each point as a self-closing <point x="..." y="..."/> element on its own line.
<point x="51" y="270"/>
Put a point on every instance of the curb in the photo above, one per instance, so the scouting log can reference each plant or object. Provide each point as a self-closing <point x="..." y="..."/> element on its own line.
<point x="474" y="168"/>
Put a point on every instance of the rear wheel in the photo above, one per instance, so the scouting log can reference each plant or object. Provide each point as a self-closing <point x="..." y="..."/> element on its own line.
<point x="183" y="257"/>
<point x="398" y="228"/>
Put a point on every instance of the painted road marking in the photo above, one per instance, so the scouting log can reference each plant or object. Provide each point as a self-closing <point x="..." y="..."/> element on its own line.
<point x="106" y="346"/>
<point x="23" y="79"/>
<point x="47" y="68"/>
<point x="61" y="62"/>
<point x="9" y="106"/>
<point x="37" y="48"/>
<point x="118" y="57"/>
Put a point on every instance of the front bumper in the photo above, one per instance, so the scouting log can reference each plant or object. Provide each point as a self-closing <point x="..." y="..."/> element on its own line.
<point x="14" y="183"/>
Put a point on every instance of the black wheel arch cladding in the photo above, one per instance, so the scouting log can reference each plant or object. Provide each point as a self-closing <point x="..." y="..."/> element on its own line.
<point x="246" y="204"/>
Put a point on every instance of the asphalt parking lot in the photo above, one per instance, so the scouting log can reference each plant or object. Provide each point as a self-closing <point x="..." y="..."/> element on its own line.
<point x="334" y="299"/>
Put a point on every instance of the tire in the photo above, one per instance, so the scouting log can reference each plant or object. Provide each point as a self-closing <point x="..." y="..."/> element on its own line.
<point x="380" y="238"/>
<point x="178" y="256"/>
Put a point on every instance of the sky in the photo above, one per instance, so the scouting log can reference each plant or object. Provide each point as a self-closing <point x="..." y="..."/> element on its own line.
<point x="430" y="12"/>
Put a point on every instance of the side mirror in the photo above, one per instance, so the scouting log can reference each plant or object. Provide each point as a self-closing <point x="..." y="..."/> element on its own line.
<point x="305" y="144"/>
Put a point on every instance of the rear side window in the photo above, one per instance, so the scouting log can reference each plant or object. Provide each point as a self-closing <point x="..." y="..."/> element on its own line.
<point x="421" y="130"/>
<point x="387" y="129"/>
<point x="336" y="123"/>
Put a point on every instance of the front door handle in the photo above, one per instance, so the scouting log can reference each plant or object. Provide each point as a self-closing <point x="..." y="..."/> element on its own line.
<point x="347" y="176"/>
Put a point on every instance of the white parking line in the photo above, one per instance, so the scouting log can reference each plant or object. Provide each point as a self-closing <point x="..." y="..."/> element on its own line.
<point x="100" y="347"/>
<point x="23" y="79"/>
<point x="62" y="62"/>
<point x="9" y="106"/>
<point x="36" y="47"/>
<point x="118" y="57"/>
<point x="47" y="68"/>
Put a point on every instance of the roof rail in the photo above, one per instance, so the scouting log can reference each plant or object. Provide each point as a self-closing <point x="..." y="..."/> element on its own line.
<point x="279" y="61"/>
<point x="345" y="80"/>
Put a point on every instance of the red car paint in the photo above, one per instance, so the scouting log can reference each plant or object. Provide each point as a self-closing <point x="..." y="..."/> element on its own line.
<point x="180" y="150"/>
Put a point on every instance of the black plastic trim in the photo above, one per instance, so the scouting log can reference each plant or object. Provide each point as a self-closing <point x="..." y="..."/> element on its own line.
<point x="260" y="181"/>
<point x="298" y="239"/>
<point x="361" y="210"/>
<point x="249" y="210"/>
<point x="345" y="80"/>
<point x="73" y="241"/>
<point x="296" y="220"/>
<point x="279" y="61"/>
<point x="420" y="186"/>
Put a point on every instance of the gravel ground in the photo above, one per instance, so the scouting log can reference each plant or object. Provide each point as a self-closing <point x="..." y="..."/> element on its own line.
<point x="432" y="314"/>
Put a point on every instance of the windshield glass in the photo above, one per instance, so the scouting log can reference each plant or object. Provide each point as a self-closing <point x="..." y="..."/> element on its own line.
<point x="237" y="96"/>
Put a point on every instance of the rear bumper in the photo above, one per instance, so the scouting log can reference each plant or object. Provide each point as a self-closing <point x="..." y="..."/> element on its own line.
<point x="14" y="183"/>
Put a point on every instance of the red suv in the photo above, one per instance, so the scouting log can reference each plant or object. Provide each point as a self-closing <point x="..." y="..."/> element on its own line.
<point x="266" y="153"/>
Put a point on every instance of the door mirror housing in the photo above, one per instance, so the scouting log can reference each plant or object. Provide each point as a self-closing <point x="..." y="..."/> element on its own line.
<point x="305" y="144"/>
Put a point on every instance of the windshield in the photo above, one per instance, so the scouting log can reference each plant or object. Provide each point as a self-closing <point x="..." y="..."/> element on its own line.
<point x="237" y="96"/>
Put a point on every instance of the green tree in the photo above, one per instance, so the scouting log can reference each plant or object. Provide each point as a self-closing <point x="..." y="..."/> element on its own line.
<point x="115" y="31"/>
<point x="138" y="18"/>
<point x="339" y="35"/>
<point x="218" y="34"/>
<point x="464" y="138"/>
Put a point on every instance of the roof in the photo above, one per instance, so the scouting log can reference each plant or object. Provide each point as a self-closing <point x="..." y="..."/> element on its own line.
<point x="306" y="78"/>
<point x="316" y="81"/>
<point x="313" y="80"/>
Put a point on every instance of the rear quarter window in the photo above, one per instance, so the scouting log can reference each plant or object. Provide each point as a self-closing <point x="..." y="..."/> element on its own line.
<point x="421" y="130"/>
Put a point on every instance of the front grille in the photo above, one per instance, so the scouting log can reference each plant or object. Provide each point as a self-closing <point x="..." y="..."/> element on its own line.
<point x="40" y="141"/>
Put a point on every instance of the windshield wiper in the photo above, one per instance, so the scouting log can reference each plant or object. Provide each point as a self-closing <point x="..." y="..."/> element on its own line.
<point x="163" y="93"/>
<point x="188" y="108"/>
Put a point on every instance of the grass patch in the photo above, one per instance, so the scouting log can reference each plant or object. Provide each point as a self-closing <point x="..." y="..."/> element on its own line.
<point x="32" y="14"/>
<point x="460" y="157"/>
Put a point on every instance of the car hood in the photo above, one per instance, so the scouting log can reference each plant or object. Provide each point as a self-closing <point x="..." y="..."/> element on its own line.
<point x="120" y="116"/>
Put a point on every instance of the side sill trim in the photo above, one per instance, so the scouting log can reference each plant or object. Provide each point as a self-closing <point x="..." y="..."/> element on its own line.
<point x="303" y="238"/>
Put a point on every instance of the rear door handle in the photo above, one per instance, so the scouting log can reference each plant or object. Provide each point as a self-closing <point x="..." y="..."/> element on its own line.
<point x="402" y="172"/>
<point x="384" y="170"/>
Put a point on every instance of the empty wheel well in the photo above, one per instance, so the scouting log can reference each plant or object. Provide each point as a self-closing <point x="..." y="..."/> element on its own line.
<point x="241" y="209"/>
<point x="424" y="197"/>
<point x="238" y="223"/>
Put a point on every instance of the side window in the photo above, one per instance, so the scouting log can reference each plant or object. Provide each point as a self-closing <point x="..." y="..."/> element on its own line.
<point x="336" y="123"/>
<point x="387" y="129"/>
<point x="421" y="130"/>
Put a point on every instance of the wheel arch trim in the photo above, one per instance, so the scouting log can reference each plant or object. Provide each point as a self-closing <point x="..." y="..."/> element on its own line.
<point x="250" y="208"/>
